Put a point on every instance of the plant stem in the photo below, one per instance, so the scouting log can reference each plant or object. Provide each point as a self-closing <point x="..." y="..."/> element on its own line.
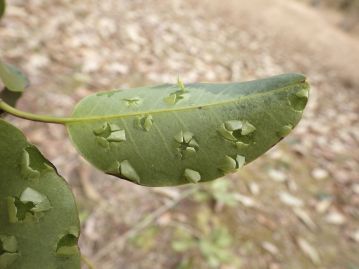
<point x="29" y="116"/>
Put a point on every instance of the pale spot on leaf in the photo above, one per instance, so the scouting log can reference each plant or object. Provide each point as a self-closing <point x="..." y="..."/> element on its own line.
<point x="145" y="122"/>
<point x="108" y="133"/>
<point x="30" y="207"/>
<point x="134" y="101"/>
<point x="67" y="243"/>
<point x="26" y="170"/>
<point x="228" y="164"/>
<point x="186" y="144"/>
<point x="298" y="100"/>
<point x="8" y="250"/>
<point x="192" y="175"/>
<point x="128" y="172"/>
<point x="285" y="130"/>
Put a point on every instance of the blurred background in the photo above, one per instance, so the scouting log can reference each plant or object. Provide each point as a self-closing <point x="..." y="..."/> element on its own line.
<point x="296" y="207"/>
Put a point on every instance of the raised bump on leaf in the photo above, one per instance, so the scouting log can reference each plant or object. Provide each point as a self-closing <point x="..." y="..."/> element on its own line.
<point x="11" y="209"/>
<point x="102" y="142"/>
<point x="179" y="137"/>
<point x="247" y="128"/>
<point x="303" y="93"/>
<point x="18" y="212"/>
<point x="8" y="243"/>
<point x="187" y="137"/>
<point x="189" y="150"/>
<point x="117" y="136"/>
<point x="40" y="201"/>
<point x="176" y="96"/>
<point x="144" y="122"/>
<point x="8" y="250"/>
<point x="134" y="101"/>
<point x="228" y="164"/>
<point x="26" y="170"/>
<point x="240" y="160"/>
<point x="114" y="127"/>
<point x="237" y="131"/>
<point x="186" y="144"/>
<point x="115" y="169"/>
<point x="225" y="133"/>
<point x="104" y="130"/>
<point x="108" y="133"/>
<point x="30" y="207"/>
<point x="128" y="172"/>
<point x="285" y="130"/>
<point x="233" y="125"/>
<point x="67" y="243"/>
<point x="192" y="175"/>
<point x="171" y="99"/>
<point x="298" y="100"/>
<point x="180" y="84"/>
<point x="241" y="145"/>
<point x="125" y="170"/>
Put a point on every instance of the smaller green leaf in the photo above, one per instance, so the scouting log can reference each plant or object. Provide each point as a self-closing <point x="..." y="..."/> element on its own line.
<point x="2" y="8"/>
<point x="12" y="78"/>
<point x="39" y="225"/>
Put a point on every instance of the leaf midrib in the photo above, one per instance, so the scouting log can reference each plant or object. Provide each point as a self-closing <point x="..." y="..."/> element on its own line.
<point x="139" y="113"/>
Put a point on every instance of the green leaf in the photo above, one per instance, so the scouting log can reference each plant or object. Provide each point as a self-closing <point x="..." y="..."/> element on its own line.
<point x="12" y="78"/>
<point x="2" y="8"/>
<point x="207" y="131"/>
<point x="9" y="97"/>
<point x="39" y="224"/>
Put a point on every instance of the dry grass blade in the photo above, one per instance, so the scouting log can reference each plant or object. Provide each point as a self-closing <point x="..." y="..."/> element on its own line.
<point x="309" y="250"/>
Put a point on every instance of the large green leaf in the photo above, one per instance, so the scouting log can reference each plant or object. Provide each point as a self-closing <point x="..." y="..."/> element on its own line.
<point x="12" y="77"/>
<point x="39" y="223"/>
<point x="174" y="134"/>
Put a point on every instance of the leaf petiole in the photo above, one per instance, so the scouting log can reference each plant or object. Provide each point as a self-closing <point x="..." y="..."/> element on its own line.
<point x="34" y="117"/>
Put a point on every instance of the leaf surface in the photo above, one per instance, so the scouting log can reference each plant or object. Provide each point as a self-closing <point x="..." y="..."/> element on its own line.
<point x="175" y="134"/>
<point x="37" y="209"/>
<point x="12" y="77"/>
